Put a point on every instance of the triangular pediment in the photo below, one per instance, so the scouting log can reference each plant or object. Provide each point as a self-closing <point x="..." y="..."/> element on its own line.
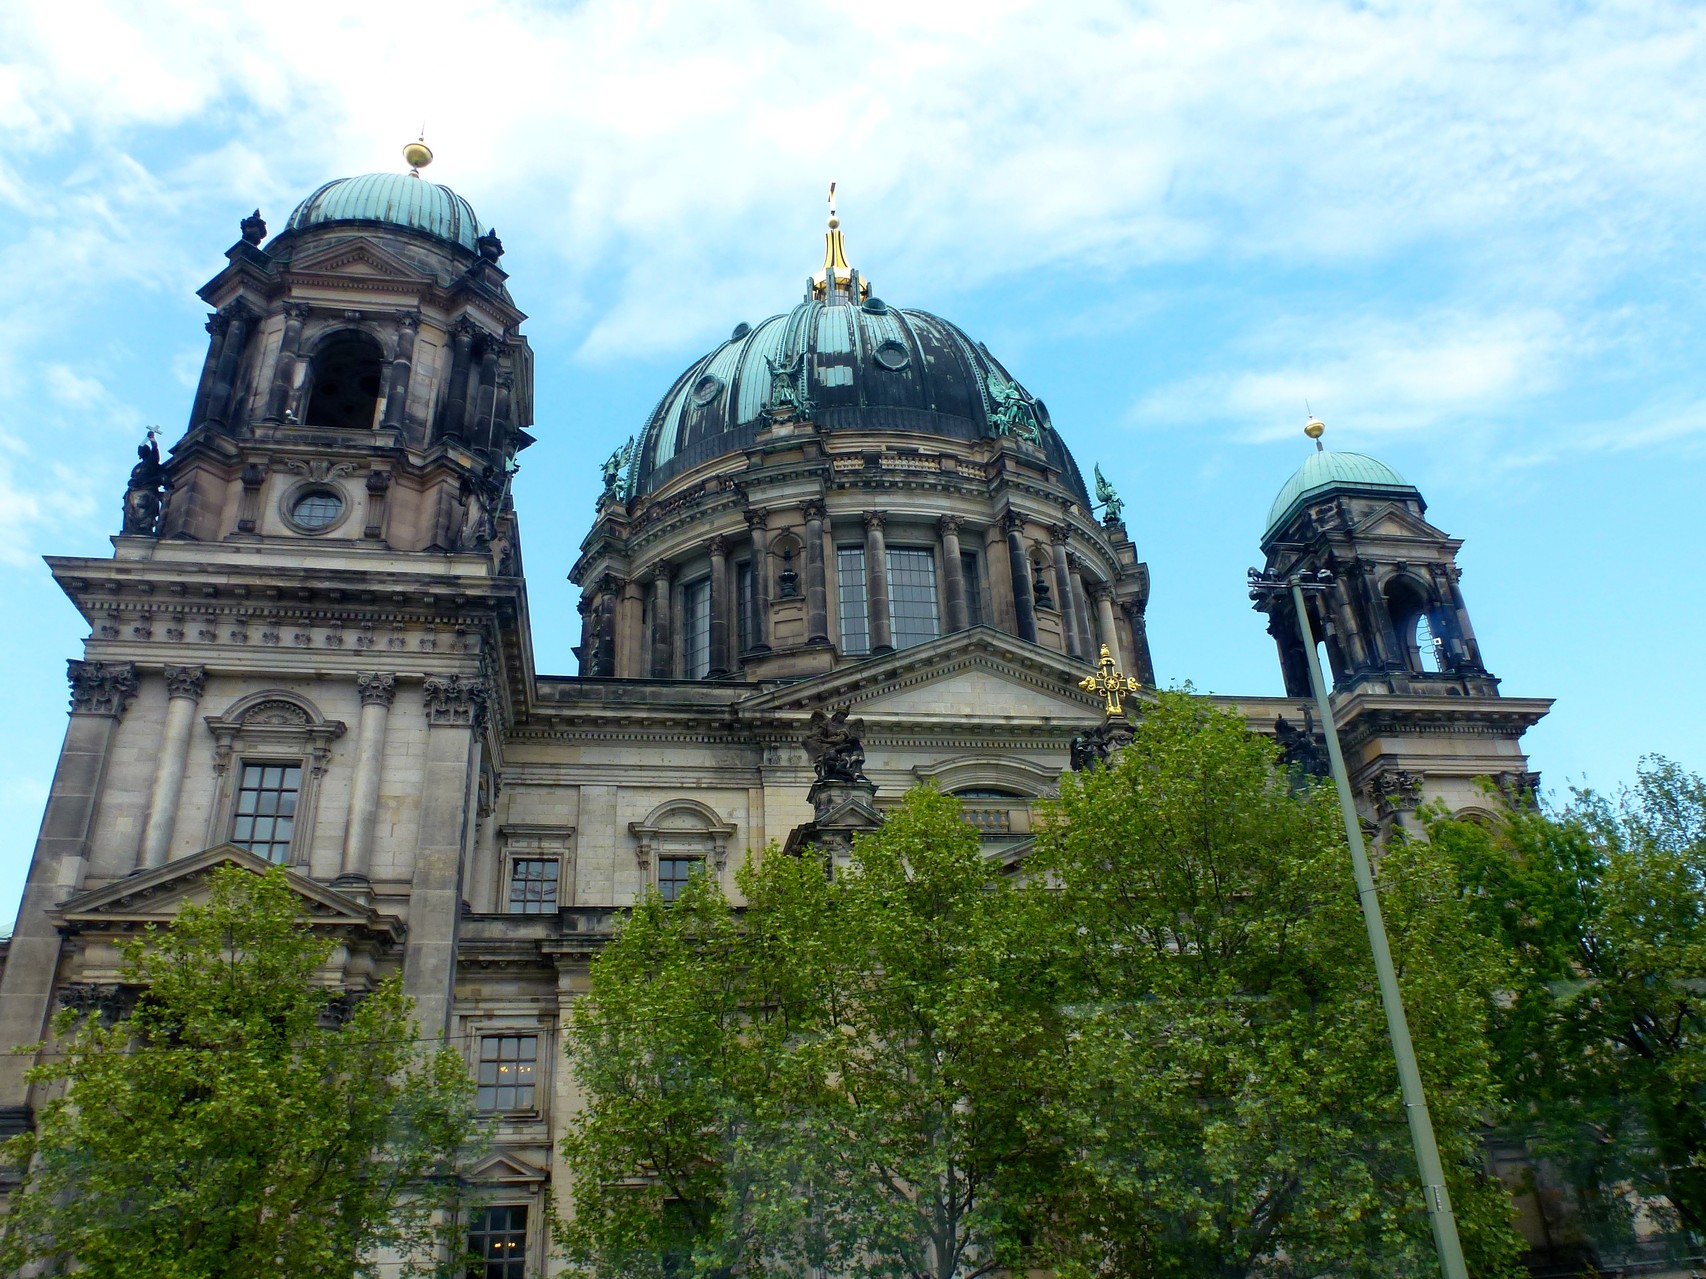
<point x="979" y="674"/>
<point x="155" y="896"/>
<point x="358" y="257"/>
<point x="505" y="1168"/>
<point x="1392" y="520"/>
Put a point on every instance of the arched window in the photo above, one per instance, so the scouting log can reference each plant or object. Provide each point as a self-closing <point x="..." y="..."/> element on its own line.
<point x="348" y="370"/>
<point x="1414" y="621"/>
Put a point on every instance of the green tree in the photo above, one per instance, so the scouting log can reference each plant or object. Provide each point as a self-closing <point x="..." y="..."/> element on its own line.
<point x="847" y="1073"/>
<point x="1235" y="1108"/>
<point x="1601" y="1044"/>
<point x="230" y="1126"/>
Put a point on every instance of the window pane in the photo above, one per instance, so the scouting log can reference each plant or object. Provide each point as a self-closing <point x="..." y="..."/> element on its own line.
<point x="974" y="588"/>
<point x="533" y="885"/>
<point x="745" y="605"/>
<point x="262" y="817"/>
<point x="498" y="1238"/>
<point x="673" y="874"/>
<point x="507" y="1072"/>
<point x="696" y="621"/>
<point x="912" y="595"/>
<point x="855" y="615"/>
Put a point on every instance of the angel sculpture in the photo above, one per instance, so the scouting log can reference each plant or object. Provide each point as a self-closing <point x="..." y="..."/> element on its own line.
<point x="833" y="742"/>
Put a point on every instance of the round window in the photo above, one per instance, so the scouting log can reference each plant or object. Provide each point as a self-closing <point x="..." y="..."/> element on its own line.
<point x="318" y="509"/>
<point x="892" y="355"/>
<point x="707" y="389"/>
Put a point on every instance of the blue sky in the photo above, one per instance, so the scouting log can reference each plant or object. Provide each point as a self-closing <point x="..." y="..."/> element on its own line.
<point x="1470" y="236"/>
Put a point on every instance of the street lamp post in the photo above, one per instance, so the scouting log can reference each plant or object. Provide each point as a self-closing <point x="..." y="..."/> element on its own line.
<point x="1434" y="1193"/>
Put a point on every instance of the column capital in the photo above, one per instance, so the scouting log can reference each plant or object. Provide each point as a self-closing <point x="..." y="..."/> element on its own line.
<point x="298" y="311"/>
<point x="376" y="688"/>
<point x="1012" y="522"/>
<point x="185" y="681"/>
<point x="875" y="519"/>
<point x="1059" y="534"/>
<point x="101" y="688"/>
<point x="948" y="525"/>
<point x="409" y="320"/>
<point x="813" y="510"/>
<point x="455" y="700"/>
<point x="758" y="519"/>
<point x="718" y="546"/>
<point x="1100" y="591"/>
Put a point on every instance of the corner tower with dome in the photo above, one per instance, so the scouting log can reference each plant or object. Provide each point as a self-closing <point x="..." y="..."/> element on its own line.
<point x="848" y="526"/>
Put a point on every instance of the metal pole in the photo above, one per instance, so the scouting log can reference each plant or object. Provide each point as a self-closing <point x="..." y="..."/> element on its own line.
<point x="1434" y="1193"/>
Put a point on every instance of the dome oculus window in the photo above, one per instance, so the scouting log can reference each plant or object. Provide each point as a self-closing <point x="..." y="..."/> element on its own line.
<point x="316" y="509"/>
<point x="892" y="356"/>
<point x="706" y="389"/>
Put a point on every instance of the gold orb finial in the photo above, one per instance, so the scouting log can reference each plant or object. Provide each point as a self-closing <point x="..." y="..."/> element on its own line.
<point x="1314" y="428"/>
<point x="417" y="155"/>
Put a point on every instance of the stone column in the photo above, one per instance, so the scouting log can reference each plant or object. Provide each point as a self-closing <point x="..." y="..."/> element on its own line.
<point x="397" y="397"/>
<point x="953" y="574"/>
<point x="1396" y="650"/>
<point x="455" y="707"/>
<point x="217" y="326"/>
<point x="1105" y="629"/>
<point x="456" y="403"/>
<point x="99" y="693"/>
<point x="183" y="690"/>
<point x="1019" y="565"/>
<point x="817" y="587"/>
<point x="759" y="522"/>
<point x="481" y="435"/>
<point x="1081" y="609"/>
<point x="587" y="655"/>
<point x="720" y="662"/>
<point x="284" y="368"/>
<point x="611" y="589"/>
<point x="663" y="652"/>
<point x="998" y="600"/>
<point x="1141" y="665"/>
<point x="877" y="584"/>
<point x="377" y="692"/>
<point x="1454" y="598"/>
<point x="225" y="377"/>
<point x="1057" y="536"/>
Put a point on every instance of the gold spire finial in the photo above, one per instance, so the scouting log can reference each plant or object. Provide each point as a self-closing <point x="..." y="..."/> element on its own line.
<point x="1314" y="428"/>
<point x="835" y="276"/>
<point x="1111" y="684"/>
<point x="417" y="154"/>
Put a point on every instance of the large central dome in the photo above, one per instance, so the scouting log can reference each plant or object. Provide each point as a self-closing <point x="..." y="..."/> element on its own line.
<point x="864" y="366"/>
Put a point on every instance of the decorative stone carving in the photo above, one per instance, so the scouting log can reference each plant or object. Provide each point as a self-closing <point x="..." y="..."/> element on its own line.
<point x="1096" y="747"/>
<point x="376" y="689"/>
<point x="455" y="700"/>
<point x="1110" y="502"/>
<point x="144" y="496"/>
<point x="275" y="714"/>
<point x="101" y="688"/>
<point x="1519" y="789"/>
<point x="788" y="401"/>
<point x="253" y="227"/>
<point x="835" y="746"/>
<point x="948" y="525"/>
<point x="787" y="581"/>
<point x="111" y="1001"/>
<point x="1010" y="414"/>
<point x="875" y="519"/>
<point x="185" y="681"/>
<point x="1303" y="750"/>
<point x="1395" y="790"/>
<point x="682" y="827"/>
<point x="318" y="469"/>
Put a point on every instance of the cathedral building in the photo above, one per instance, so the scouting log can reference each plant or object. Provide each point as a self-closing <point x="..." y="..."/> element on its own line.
<point x="311" y="643"/>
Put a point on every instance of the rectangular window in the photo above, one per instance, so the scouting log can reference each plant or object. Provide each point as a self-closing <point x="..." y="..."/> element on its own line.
<point x="497" y="1243"/>
<point x="509" y="1066"/>
<point x="696" y="628"/>
<point x="746" y="618"/>
<point x="533" y="885"/>
<point x="974" y="588"/>
<point x="912" y="595"/>
<point x="673" y="874"/>
<point x="855" y="614"/>
<point x="265" y="817"/>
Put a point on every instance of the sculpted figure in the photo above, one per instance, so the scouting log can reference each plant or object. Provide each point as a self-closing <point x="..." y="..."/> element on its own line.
<point x="142" y="498"/>
<point x="833" y="742"/>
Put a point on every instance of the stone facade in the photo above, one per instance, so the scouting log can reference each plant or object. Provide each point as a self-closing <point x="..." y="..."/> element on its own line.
<point x="332" y="589"/>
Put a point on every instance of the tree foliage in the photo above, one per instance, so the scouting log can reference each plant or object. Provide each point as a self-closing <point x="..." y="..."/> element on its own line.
<point x="1601" y="1045"/>
<point x="1239" y="1112"/>
<point x="1161" y="1054"/>
<point x="231" y="1126"/>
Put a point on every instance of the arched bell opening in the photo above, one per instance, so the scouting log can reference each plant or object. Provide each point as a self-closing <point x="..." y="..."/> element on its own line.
<point x="1417" y="621"/>
<point x="348" y="371"/>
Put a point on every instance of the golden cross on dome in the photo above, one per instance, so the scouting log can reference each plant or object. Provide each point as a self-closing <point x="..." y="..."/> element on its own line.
<point x="1110" y="684"/>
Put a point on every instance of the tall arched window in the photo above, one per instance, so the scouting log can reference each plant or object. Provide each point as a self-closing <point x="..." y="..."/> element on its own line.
<point x="348" y="371"/>
<point x="1414" y="621"/>
<point x="1428" y="645"/>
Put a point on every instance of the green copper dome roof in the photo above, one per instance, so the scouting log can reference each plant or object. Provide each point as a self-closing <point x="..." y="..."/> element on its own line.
<point x="401" y="199"/>
<point x="1330" y="470"/>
